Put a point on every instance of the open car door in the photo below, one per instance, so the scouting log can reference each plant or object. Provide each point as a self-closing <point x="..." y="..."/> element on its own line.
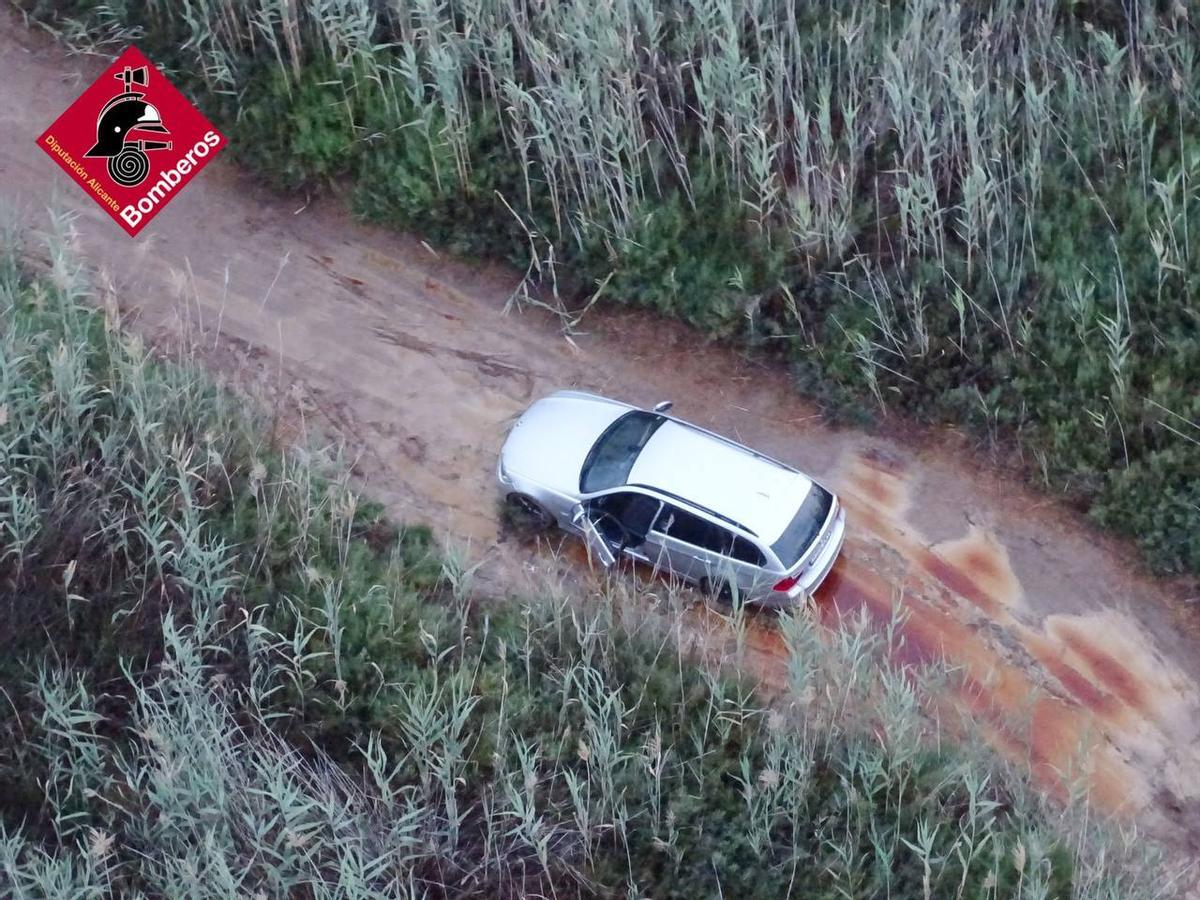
<point x="598" y="549"/>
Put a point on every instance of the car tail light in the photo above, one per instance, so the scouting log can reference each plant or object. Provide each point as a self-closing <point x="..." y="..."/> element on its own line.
<point x="787" y="584"/>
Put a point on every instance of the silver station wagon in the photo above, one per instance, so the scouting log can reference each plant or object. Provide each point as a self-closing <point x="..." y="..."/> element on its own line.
<point x="686" y="501"/>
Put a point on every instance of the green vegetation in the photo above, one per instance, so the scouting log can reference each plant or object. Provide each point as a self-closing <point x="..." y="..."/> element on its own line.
<point x="980" y="213"/>
<point x="225" y="675"/>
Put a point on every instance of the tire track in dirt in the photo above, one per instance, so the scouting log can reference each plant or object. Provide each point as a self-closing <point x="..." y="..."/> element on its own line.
<point x="1072" y="662"/>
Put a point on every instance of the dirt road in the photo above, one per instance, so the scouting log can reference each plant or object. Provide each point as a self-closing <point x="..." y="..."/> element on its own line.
<point x="1073" y="663"/>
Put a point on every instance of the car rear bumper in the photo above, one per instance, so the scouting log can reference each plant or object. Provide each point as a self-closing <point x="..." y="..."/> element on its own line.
<point x="817" y="570"/>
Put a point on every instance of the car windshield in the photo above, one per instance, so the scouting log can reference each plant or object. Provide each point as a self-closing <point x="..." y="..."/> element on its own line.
<point x="612" y="456"/>
<point x="804" y="527"/>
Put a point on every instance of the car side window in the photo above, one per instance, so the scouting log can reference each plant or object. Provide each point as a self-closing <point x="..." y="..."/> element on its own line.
<point x="634" y="512"/>
<point x="614" y="504"/>
<point x="683" y="526"/>
<point x="691" y="529"/>
<point x="745" y="551"/>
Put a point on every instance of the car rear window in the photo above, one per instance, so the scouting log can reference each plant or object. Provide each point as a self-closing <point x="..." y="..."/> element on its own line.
<point x="804" y="527"/>
<point x="611" y="458"/>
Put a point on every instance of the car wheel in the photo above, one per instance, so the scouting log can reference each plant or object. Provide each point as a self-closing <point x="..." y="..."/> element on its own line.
<point x="523" y="512"/>
<point x="718" y="589"/>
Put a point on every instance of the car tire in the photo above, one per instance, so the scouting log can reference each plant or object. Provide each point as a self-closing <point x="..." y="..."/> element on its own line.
<point x="525" y="513"/>
<point x="719" y="590"/>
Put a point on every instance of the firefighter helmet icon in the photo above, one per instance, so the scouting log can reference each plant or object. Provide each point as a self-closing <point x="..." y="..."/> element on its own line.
<point x="125" y="113"/>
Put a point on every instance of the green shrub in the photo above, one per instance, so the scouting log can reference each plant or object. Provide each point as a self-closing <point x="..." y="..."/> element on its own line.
<point x="695" y="258"/>
<point x="409" y="177"/>
<point x="320" y="142"/>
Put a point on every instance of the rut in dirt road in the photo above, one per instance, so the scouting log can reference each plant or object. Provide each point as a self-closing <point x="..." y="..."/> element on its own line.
<point x="1073" y="664"/>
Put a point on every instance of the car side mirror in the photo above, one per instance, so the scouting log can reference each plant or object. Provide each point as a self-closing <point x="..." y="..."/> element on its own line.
<point x="663" y="407"/>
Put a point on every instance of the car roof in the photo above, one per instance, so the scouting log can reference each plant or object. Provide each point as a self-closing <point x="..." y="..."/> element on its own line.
<point x="722" y="477"/>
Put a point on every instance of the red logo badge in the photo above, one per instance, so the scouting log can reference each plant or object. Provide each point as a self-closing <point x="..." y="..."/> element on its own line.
<point x="132" y="141"/>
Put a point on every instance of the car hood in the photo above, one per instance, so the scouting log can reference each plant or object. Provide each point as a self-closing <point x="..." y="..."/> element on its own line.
<point x="550" y="441"/>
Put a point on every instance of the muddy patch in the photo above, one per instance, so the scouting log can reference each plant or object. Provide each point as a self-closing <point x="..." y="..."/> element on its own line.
<point x="1086" y="701"/>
